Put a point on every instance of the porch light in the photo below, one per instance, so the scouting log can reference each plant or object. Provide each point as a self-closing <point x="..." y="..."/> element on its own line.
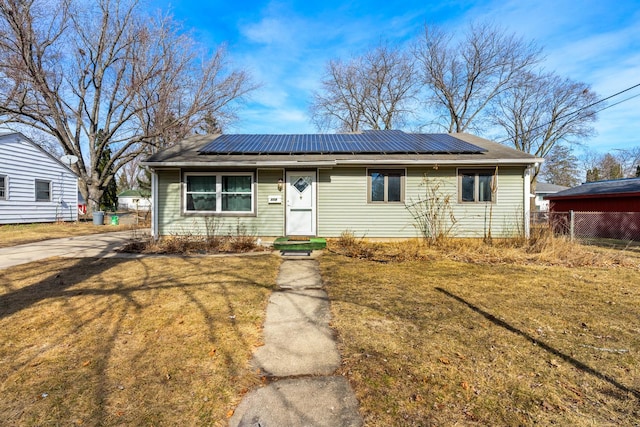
<point x="280" y="184"/>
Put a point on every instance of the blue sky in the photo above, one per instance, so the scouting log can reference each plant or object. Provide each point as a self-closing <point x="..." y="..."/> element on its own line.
<point x="285" y="45"/>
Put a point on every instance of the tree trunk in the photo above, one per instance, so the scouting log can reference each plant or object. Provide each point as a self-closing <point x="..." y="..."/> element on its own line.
<point x="92" y="194"/>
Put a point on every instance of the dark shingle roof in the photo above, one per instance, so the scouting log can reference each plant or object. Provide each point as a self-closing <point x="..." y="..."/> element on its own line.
<point x="600" y="188"/>
<point x="190" y="153"/>
<point x="545" y="187"/>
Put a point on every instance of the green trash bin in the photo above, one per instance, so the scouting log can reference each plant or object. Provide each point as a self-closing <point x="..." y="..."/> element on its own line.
<point x="115" y="220"/>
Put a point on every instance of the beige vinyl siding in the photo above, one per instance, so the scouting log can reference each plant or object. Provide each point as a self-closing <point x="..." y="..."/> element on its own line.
<point x="269" y="219"/>
<point x="504" y="217"/>
<point x="169" y="218"/>
<point x="342" y="204"/>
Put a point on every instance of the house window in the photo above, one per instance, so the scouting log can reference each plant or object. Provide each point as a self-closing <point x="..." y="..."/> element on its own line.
<point x="3" y="187"/>
<point x="475" y="185"/>
<point x="386" y="185"/>
<point x="43" y="190"/>
<point x="219" y="193"/>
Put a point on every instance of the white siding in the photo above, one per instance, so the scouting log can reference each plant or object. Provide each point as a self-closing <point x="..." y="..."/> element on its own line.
<point x="22" y="163"/>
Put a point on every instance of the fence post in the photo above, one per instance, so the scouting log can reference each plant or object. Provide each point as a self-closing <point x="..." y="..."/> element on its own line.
<point x="572" y="222"/>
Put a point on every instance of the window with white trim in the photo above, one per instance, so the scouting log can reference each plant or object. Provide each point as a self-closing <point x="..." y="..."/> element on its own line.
<point x="385" y="185"/>
<point x="4" y="184"/>
<point x="475" y="185"/>
<point x="43" y="190"/>
<point x="219" y="193"/>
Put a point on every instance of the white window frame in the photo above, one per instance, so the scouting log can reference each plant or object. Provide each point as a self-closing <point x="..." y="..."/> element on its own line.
<point x="403" y="178"/>
<point x="5" y="187"/>
<point x="218" y="192"/>
<point x="476" y="184"/>
<point x="35" y="188"/>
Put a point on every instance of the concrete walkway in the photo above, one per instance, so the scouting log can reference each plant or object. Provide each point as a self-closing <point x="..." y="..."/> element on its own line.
<point x="93" y="245"/>
<point x="299" y="358"/>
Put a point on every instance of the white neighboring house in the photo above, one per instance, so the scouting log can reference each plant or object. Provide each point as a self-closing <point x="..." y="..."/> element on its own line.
<point x="544" y="189"/>
<point x="133" y="200"/>
<point x="34" y="185"/>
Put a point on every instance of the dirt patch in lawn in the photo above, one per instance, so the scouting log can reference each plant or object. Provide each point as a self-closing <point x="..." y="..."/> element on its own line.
<point x="154" y="341"/>
<point x="443" y="342"/>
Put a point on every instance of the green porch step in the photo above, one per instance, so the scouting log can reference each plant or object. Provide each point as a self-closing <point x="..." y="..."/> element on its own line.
<point x="294" y="244"/>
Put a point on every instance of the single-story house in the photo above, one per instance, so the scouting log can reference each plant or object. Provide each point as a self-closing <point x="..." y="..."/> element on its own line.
<point x="34" y="185"/>
<point x="544" y="189"/>
<point x="608" y="209"/>
<point x="133" y="200"/>
<point x="324" y="184"/>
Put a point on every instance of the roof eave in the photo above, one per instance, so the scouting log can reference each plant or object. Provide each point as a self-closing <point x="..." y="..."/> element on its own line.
<point x="290" y="163"/>
<point x="493" y="162"/>
<point x="593" y="196"/>
<point x="337" y="162"/>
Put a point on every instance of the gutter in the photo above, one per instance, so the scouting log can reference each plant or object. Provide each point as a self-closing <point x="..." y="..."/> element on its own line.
<point x="450" y="162"/>
<point x="592" y="196"/>
<point x="237" y="164"/>
<point x="338" y="162"/>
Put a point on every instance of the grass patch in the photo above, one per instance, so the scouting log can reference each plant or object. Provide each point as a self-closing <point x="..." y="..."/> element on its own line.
<point x="12" y="235"/>
<point x="487" y="341"/>
<point x="153" y="341"/>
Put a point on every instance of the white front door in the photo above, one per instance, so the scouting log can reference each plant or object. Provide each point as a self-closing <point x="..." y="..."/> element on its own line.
<point x="301" y="203"/>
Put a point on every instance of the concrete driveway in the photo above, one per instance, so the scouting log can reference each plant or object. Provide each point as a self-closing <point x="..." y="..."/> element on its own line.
<point x="90" y="246"/>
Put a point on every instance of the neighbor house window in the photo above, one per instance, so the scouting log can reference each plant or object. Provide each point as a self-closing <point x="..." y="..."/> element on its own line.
<point x="3" y="187"/>
<point x="43" y="191"/>
<point x="386" y="185"/>
<point x="219" y="193"/>
<point x="476" y="185"/>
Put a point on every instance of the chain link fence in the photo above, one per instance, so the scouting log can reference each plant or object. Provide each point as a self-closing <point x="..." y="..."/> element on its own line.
<point x="591" y="227"/>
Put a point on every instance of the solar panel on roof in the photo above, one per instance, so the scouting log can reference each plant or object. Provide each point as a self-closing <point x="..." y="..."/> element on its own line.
<point x="369" y="142"/>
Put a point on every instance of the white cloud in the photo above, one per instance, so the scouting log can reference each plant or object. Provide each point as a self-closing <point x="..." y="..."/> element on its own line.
<point x="267" y="31"/>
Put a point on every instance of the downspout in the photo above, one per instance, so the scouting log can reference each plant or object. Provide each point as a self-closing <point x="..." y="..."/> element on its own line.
<point x="154" y="205"/>
<point x="527" y="202"/>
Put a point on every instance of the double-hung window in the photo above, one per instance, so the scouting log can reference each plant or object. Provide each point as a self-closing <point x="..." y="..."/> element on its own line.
<point x="43" y="190"/>
<point x="4" y="183"/>
<point x="385" y="185"/>
<point x="219" y="193"/>
<point x="476" y="185"/>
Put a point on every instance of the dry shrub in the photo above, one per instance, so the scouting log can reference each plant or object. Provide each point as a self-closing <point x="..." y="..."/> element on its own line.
<point x="190" y="244"/>
<point x="350" y="245"/>
<point x="239" y="243"/>
<point x="541" y="248"/>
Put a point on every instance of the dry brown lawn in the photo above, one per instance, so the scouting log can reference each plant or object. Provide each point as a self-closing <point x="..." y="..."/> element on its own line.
<point x="11" y="235"/>
<point x="489" y="336"/>
<point x="154" y="341"/>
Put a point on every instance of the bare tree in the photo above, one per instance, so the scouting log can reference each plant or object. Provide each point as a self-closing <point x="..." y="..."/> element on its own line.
<point x="619" y="163"/>
<point x="372" y="91"/>
<point x="629" y="159"/>
<point x="560" y="167"/>
<point x="463" y="77"/>
<point x="543" y="110"/>
<point x="74" y="70"/>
